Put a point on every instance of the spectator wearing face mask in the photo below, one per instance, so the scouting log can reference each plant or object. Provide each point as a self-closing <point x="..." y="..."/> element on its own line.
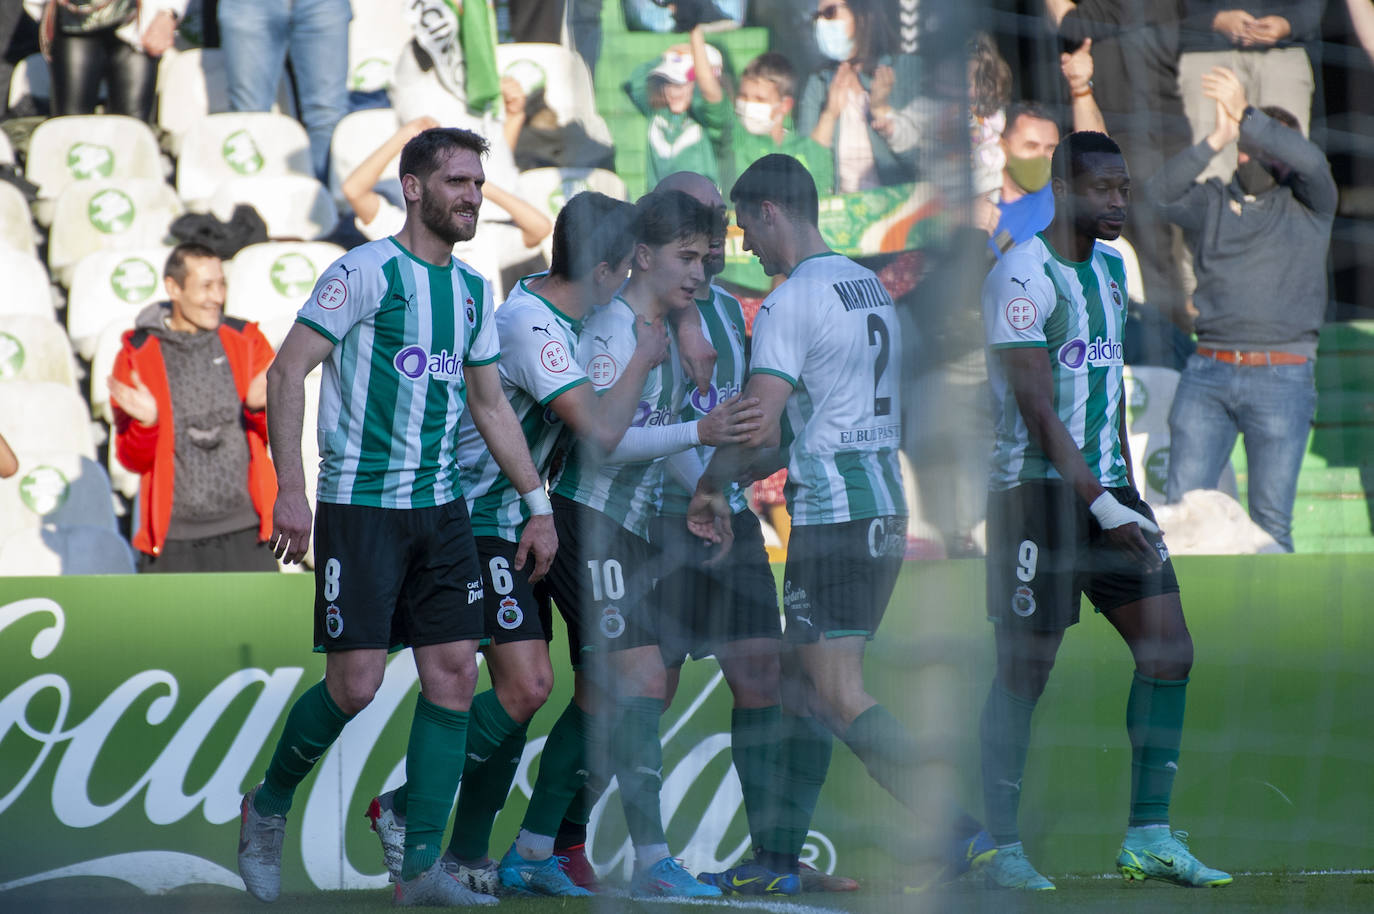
<point x="763" y="110"/>
<point x="864" y="107"/>
<point x="1025" y="204"/>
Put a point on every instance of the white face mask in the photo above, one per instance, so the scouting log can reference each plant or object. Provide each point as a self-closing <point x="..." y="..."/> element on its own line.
<point x="833" y="39"/>
<point x="755" y="117"/>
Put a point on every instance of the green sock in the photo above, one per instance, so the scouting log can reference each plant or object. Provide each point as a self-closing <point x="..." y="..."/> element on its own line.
<point x="562" y="771"/>
<point x="887" y="750"/>
<point x="399" y="798"/>
<point x="636" y="757"/>
<point x="499" y="742"/>
<point x="754" y="737"/>
<point x="1004" y="732"/>
<point x="1154" y="719"/>
<point x="434" y="766"/>
<point x="804" y="759"/>
<point x="311" y="727"/>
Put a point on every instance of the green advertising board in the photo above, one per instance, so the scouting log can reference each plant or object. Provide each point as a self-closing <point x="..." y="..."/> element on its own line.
<point x="135" y="711"/>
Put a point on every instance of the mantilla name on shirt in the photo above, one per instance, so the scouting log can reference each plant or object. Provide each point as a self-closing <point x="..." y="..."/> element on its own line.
<point x="861" y="294"/>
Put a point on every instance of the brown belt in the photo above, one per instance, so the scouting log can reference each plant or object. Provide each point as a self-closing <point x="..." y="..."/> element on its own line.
<point x="1237" y="357"/>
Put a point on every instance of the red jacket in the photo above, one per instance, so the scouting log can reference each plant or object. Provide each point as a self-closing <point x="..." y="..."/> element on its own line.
<point x="149" y="451"/>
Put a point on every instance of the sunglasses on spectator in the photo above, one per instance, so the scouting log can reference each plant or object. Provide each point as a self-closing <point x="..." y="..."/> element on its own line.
<point x="829" y="12"/>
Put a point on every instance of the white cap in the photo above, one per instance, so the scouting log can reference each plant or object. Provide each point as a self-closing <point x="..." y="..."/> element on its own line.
<point x="677" y="67"/>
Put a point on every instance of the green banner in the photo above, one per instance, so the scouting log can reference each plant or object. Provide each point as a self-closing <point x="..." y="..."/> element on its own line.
<point x="135" y="711"/>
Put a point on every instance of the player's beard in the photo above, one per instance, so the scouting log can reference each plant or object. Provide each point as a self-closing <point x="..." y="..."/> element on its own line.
<point x="442" y="221"/>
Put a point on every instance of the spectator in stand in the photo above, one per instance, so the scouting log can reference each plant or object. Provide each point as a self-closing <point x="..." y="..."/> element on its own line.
<point x="864" y="105"/>
<point x="377" y="217"/>
<point x="259" y="37"/>
<point x="9" y="464"/>
<point x="1263" y="44"/>
<point x="1024" y="204"/>
<point x="115" y="44"/>
<point x="989" y="93"/>
<point x="689" y="114"/>
<point x="189" y="391"/>
<point x="534" y="135"/>
<point x="763" y="110"/>
<point x="1259" y="247"/>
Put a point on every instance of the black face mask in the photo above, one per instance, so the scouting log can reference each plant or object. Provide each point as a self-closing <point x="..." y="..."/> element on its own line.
<point x="1254" y="178"/>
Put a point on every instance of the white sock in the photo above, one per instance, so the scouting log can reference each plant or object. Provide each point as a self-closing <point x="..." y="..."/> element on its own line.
<point x="1145" y="834"/>
<point x="649" y="854"/>
<point x="533" y="847"/>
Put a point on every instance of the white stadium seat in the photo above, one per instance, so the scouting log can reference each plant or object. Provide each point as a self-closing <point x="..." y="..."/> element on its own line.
<point x="56" y="489"/>
<point x="27" y="290"/>
<point x="6" y="150"/>
<point x="65" y="550"/>
<point x="34" y="348"/>
<point x="16" y="221"/>
<point x="108" y="215"/>
<point x="273" y="280"/>
<point x="107" y="344"/>
<point x="376" y="34"/>
<point x="194" y="83"/>
<point x="45" y="416"/>
<point x="220" y="147"/>
<point x="355" y="137"/>
<point x="112" y="286"/>
<point x="567" y="84"/>
<point x="30" y="80"/>
<point x="65" y="150"/>
<point x="550" y="188"/>
<point x="295" y="207"/>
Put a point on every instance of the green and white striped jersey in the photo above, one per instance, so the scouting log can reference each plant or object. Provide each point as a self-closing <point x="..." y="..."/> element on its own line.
<point x="1077" y="312"/>
<point x="538" y="363"/>
<point x="628" y="492"/>
<point x="722" y="323"/>
<point x="831" y="331"/>
<point x="393" y="392"/>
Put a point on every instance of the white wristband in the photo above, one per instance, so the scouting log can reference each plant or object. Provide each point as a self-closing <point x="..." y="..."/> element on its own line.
<point x="537" y="500"/>
<point x="1111" y="514"/>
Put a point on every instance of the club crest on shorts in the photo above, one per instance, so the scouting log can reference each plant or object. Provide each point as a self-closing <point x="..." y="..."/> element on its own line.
<point x="612" y="623"/>
<point x="333" y="621"/>
<point x="1023" y="601"/>
<point x="510" y="615"/>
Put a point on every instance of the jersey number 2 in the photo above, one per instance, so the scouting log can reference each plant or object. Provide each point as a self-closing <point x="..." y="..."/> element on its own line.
<point x="878" y="336"/>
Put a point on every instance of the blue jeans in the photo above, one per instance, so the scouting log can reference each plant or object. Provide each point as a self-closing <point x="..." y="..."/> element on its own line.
<point x="257" y="37"/>
<point x="1271" y="405"/>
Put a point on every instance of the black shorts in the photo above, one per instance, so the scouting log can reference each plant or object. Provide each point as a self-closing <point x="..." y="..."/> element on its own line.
<point x="840" y="576"/>
<point x="1045" y="550"/>
<point x="601" y="581"/>
<point x="395" y="577"/>
<point x="513" y="609"/>
<point x="701" y="608"/>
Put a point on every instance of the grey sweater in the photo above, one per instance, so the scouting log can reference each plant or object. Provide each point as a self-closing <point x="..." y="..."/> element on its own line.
<point x="1260" y="261"/>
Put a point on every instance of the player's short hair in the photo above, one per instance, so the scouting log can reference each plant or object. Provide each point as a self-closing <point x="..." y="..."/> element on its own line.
<point x="774" y="68"/>
<point x="1068" y="161"/>
<point x="665" y="216"/>
<point x="175" y="268"/>
<point x="429" y="148"/>
<point x="1027" y="109"/>
<point x="781" y="180"/>
<point x="591" y="229"/>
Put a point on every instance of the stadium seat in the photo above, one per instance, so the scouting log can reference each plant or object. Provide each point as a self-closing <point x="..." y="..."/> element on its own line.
<point x="56" y="489"/>
<point x="35" y="348"/>
<point x="354" y="139"/>
<point x="272" y="280"/>
<point x="65" y="550"/>
<point x="45" y="416"/>
<point x="550" y="188"/>
<point x="27" y="290"/>
<point x="567" y="84"/>
<point x="16" y="221"/>
<point x="111" y="286"/>
<point x="108" y="215"/>
<point x="220" y="147"/>
<point x="377" y="33"/>
<point x="65" y="150"/>
<point x="194" y="83"/>
<point x="295" y="207"/>
<point x="30" y="80"/>
<point x="6" y="150"/>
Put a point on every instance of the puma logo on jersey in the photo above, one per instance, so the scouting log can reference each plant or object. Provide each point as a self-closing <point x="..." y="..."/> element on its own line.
<point x="544" y="330"/>
<point x="406" y="300"/>
<point x="768" y="308"/>
<point x="1023" y="283"/>
<point x="604" y="340"/>
<point x="346" y="271"/>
